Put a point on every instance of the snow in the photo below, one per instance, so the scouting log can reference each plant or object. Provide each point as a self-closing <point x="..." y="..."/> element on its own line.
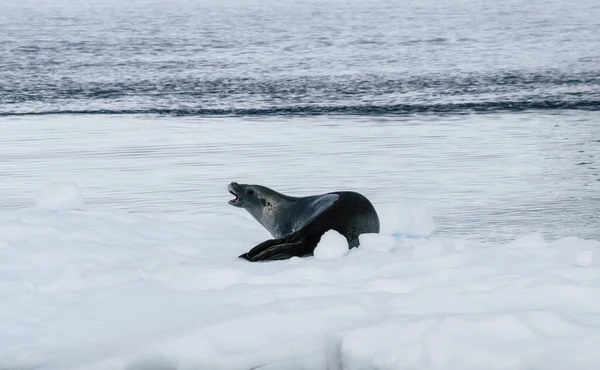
<point x="59" y="196"/>
<point x="585" y="259"/>
<point x="377" y="242"/>
<point x="105" y="289"/>
<point x="405" y="220"/>
<point x="331" y="246"/>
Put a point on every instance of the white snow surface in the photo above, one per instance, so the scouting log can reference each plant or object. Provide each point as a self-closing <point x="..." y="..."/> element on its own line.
<point x="405" y="220"/>
<point x="60" y="196"/>
<point x="377" y="242"/>
<point x="102" y="289"/>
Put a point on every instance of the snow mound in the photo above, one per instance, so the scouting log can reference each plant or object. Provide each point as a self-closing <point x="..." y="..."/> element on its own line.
<point x="532" y="240"/>
<point x="585" y="259"/>
<point x="97" y="290"/>
<point x="59" y="196"/>
<point x="331" y="246"/>
<point x="404" y="220"/>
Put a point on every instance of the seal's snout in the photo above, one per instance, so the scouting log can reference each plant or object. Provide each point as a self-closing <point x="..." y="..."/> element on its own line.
<point x="234" y="188"/>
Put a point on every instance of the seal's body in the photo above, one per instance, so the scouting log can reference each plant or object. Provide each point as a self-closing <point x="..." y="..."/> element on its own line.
<point x="297" y="223"/>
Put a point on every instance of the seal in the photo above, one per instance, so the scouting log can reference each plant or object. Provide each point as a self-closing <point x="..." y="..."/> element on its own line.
<point x="297" y="223"/>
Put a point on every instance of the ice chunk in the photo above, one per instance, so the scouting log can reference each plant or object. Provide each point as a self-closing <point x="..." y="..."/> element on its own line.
<point x="331" y="246"/>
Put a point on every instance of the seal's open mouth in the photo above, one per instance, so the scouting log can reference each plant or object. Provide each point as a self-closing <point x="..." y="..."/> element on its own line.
<point x="238" y="200"/>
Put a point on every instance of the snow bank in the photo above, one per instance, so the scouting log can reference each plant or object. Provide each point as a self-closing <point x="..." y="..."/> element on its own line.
<point x="405" y="220"/>
<point x="60" y="196"/>
<point x="110" y="290"/>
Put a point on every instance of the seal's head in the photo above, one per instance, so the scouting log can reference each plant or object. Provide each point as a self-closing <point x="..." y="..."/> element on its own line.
<point x="246" y="196"/>
<point x="261" y="202"/>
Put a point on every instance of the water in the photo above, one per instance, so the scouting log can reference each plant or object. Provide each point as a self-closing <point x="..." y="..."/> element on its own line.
<point x="484" y="112"/>
<point x="482" y="176"/>
<point x="264" y="57"/>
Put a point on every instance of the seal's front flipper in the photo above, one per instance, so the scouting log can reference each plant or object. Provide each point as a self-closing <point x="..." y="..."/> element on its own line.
<point x="261" y="247"/>
<point x="315" y="208"/>
<point x="297" y="244"/>
<point x="280" y="252"/>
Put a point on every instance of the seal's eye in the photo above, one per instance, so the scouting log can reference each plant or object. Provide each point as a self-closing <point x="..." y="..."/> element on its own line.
<point x="250" y="192"/>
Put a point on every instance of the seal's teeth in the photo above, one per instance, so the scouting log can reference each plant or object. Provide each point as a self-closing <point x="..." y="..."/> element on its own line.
<point x="237" y="198"/>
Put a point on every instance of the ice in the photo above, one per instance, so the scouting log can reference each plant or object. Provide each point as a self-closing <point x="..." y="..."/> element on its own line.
<point x="405" y="220"/>
<point x="431" y="248"/>
<point x="332" y="245"/>
<point x="101" y="289"/>
<point x="585" y="259"/>
<point x="533" y="240"/>
<point x="377" y="242"/>
<point x="60" y="196"/>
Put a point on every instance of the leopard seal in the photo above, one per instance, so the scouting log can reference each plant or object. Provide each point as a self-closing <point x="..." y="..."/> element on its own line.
<point x="297" y="223"/>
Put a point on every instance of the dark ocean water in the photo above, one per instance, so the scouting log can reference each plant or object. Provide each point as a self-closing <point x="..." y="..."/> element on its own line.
<point x="298" y="57"/>
<point x="485" y="112"/>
